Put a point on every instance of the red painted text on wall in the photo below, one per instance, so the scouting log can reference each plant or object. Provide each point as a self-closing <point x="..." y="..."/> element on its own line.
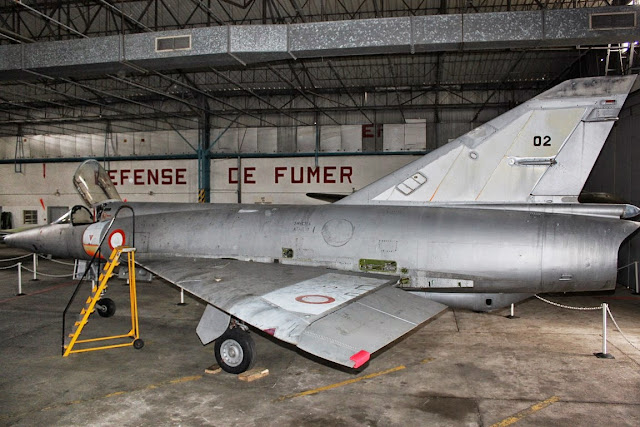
<point x="168" y="176"/>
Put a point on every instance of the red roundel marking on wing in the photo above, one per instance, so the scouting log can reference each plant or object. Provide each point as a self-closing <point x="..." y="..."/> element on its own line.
<point x="315" y="299"/>
<point x="116" y="238"/>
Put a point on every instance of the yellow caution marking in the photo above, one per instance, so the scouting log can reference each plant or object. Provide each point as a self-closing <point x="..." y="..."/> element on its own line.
<point x="427" y="360"/>
<point x="340" y="384"/>
<point x="117" y="393"/>
<point x="530" y="410"/>
<point x="185" y="379"/>
<point x="120" y="393"/>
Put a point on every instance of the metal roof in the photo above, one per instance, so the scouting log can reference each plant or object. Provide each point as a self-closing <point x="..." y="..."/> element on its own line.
<point x="173" y="93"/>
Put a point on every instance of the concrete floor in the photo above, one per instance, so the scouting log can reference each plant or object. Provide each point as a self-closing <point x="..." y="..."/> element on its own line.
<point x="463" y="368"/>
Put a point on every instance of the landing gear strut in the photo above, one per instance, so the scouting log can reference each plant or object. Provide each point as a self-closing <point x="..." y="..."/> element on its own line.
<point x="235" y="351"/>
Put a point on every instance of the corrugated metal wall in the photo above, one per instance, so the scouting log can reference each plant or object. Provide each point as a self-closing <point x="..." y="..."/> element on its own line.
<point x="617" y="172"/>
<point x="414" y="136"/>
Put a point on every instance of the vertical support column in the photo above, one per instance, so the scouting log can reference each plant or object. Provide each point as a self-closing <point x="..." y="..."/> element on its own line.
<point x="436" y="112"/>
<point x="108" y="145"/>
<point x="19" y="150"/>
<point x="317" y="125"/>
<point x="204" y="159"/>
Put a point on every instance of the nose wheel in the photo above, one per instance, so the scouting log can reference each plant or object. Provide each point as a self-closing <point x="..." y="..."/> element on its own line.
<point x="235" y="351"/>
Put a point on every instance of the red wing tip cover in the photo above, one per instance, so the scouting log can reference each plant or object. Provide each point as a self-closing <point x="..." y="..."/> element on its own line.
<point x="360" y="358"/>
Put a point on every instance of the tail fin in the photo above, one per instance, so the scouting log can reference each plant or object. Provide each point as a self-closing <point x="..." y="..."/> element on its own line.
<point x="541" y="151"/>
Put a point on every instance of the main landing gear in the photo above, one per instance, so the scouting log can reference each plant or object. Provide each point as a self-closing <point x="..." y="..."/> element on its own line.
<point x="235" y="350"/>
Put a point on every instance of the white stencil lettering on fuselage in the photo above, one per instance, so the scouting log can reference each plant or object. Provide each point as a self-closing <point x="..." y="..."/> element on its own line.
<point x="323" y="293"/>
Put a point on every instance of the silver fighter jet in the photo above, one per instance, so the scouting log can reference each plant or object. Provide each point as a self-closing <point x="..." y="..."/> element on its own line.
<point x="482" y="222"/>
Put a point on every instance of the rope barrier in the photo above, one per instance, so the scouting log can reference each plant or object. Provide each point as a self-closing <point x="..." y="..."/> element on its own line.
<point x="618" y="328"/>
<point x="13" y="259"/>
<point x="58" y="262"/>
<point x="605" y="308"/>
<point x="569" y="307"/>
<point x="11" y="266"/>
<point x="49" y="275"/>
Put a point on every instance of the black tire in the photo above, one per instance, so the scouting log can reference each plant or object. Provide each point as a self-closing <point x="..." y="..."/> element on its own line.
<point x="109" y="305"/>
<point x="235" y="351"/>
<point x="138" y="344"/>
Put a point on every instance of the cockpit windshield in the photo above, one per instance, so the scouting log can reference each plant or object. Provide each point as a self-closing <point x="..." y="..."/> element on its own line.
<point x="93" y="183"/>
<point x="78" y="215"/>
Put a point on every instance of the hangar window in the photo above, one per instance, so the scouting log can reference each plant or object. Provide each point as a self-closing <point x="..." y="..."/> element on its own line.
<point x="30" y="217"/>
<point x="165" y="44"/>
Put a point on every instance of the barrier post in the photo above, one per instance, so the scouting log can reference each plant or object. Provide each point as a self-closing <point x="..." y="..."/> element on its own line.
<point x="35" y="267"/>
<point x="637" y="286"/>
<point x="20" y="279"/>
<point x="604" y="354"/>
<point x="181" y="297"/>
<point x="513" y="313"/>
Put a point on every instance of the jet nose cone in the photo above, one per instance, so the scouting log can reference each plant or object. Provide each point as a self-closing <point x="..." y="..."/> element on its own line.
<point x="23" y="240"/>
<point x="7" y="238"/>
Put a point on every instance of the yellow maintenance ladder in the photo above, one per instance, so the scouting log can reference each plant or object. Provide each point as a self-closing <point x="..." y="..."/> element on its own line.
<point x="133" y="337"/>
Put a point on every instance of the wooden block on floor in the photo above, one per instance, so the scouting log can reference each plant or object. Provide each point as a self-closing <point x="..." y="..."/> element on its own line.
<point x="253" y="374"/>
<point x="213" y="369"/>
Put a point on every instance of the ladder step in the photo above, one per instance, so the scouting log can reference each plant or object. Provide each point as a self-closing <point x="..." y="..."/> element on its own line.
<point x="110" y="264"/>
<point x="102" y="276"/>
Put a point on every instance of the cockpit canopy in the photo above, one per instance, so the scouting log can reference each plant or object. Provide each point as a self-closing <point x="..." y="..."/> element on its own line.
<point x="93" y="184"/>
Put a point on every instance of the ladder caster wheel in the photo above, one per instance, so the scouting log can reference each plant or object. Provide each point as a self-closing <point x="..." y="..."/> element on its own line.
<point x="138" y="344"/>
<point x="107" y="307"/>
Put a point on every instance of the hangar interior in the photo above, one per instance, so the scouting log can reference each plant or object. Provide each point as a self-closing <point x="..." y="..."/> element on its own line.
<point x="240" y="100"/>
<point x="199" y="90"/>
<point x="211" y="80"/>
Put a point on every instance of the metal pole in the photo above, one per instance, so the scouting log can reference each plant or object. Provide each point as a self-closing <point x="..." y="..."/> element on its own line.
<point x="635" y="263"/>
<point x="604" y="328"/>
<point x="181" y="297"/>
<point x="513" y="313"/>
<point x="604" y="354"/>
<point x="35" y="267"/>
<point x="20" y="279"/>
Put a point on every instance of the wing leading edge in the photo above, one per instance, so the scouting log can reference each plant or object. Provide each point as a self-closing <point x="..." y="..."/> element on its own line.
<point x="338" y="316"/>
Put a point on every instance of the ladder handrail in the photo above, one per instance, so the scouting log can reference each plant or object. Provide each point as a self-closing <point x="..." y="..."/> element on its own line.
<point x="97" y="255"/>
